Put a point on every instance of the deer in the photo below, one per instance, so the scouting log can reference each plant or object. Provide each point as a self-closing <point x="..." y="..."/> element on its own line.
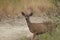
<point x="38" y="28"/>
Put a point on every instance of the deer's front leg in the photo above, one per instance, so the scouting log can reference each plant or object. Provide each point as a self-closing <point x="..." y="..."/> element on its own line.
<point x="35" y="37"/>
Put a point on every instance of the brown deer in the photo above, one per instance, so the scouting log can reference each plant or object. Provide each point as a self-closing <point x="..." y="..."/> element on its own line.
<point x="38" y="28"/>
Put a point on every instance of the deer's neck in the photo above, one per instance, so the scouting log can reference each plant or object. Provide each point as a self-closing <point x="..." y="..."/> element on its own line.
<point x="28" y="22"/>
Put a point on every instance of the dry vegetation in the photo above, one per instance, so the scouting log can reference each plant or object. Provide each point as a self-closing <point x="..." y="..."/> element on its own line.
<point x="13" y="8"/>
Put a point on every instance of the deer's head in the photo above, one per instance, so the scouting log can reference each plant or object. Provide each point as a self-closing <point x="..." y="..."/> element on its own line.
<point x="27" y="15"/>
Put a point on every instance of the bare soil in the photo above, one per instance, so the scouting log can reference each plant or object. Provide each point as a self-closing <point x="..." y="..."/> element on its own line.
<point x="16" y="29"/>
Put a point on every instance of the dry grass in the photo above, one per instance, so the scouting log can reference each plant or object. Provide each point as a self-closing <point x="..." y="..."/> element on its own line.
<point x="13" y="8"/>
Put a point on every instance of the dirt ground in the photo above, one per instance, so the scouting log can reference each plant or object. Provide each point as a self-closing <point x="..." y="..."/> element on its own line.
<point x="16" y="29"/>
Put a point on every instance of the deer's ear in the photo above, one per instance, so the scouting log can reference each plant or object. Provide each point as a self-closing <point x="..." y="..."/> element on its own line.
<point x="23" y="13"/>
<point x="31" y="14"/>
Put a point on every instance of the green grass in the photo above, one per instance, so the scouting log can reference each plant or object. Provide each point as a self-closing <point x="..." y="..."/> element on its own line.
<point x="55" y="36"/>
